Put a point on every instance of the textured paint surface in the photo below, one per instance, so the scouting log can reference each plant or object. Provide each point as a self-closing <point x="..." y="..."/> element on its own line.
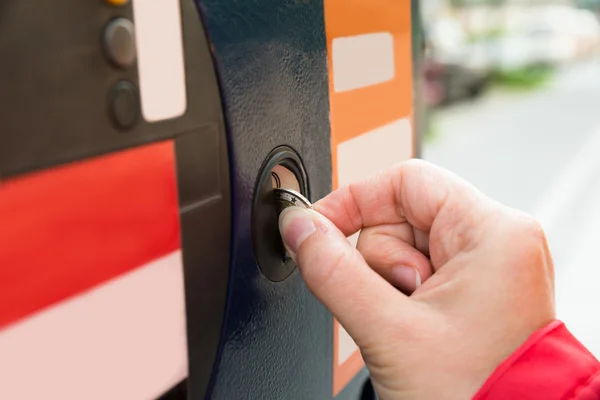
<point x="272" y="59"/>
<point x="272" y="62"/>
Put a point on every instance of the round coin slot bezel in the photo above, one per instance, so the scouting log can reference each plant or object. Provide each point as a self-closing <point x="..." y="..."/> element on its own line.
<point x="269" y="251"/>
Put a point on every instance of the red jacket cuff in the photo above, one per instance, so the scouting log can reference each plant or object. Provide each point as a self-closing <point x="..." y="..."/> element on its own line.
<point x="550" y="365"/>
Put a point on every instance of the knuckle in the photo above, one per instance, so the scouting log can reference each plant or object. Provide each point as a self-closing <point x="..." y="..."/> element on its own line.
<point x="529" y="228"/>
<point x="411" y="166"/>
<point x="536" y="230"/>
<point x="413" y="163"/>
<point x="529" y="242"/>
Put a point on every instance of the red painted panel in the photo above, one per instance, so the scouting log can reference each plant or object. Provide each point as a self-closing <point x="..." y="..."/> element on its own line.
<point x="70" y="228"/>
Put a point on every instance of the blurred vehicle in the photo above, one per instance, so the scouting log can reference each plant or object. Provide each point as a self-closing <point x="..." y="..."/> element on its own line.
<point x="447" y="82"/>
<point x="453" y="68"/>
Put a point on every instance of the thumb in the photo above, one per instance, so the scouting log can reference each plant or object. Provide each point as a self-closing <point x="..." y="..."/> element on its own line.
<point x="338" y="275"/>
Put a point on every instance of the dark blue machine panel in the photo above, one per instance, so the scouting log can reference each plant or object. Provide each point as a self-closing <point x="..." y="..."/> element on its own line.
<point x="271" y="62"/>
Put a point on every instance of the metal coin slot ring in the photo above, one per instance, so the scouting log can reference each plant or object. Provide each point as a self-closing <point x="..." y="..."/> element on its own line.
<point x="281" y="183"/>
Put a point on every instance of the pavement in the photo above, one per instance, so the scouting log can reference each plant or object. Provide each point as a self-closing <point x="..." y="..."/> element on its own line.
<point x="539" y="151"/>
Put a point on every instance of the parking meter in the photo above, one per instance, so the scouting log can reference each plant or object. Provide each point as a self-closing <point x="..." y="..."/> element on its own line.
<point x="140" y="142"/>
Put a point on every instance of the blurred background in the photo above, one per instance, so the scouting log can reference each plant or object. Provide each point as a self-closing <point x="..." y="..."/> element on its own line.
<point x="513" y="105"/>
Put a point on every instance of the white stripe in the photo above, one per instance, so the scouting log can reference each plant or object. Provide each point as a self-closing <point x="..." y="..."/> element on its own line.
<point x="125" y="339"/>
<point x="363" y="156"/>
<point x="358" y="159"/>
<point x="363" y="60"/>
<point x="160" y="58"/>
<point x="578" y="173"/>
<point x="346" y="345"/>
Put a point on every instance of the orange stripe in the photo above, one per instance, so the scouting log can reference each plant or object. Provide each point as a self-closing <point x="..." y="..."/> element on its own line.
<point x="343" y="374"/>
<point x="363" y="110"/>
<point x="73" y="227"/>
<point x="356" y="112"/>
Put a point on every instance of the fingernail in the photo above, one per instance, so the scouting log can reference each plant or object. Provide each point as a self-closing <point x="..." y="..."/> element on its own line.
<point x="295" y="225"/>
<point x="406" y="277"/>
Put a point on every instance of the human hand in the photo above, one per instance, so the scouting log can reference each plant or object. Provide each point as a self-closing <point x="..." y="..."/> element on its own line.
<point x="480" y="274"/>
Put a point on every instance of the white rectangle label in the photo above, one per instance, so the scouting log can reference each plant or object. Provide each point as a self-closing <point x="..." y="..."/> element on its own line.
<point x="362" y="60"/>
<point x="160" y="59"/>
<point x="371" y="152"/>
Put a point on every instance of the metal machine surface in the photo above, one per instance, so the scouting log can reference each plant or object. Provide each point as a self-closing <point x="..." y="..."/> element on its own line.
<point x="138" y="139"/>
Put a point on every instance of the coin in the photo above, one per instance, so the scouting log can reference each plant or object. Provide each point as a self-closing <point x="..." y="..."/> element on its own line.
<point x="285" y="198"/>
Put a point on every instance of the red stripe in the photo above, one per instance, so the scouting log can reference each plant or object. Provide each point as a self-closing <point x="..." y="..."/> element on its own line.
<point x="65" y="230"/>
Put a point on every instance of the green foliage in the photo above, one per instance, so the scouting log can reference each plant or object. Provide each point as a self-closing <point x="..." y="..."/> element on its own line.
<point x="487" y="35"/>
<point x="523" y="78"/>
<point x="431" y="132"/>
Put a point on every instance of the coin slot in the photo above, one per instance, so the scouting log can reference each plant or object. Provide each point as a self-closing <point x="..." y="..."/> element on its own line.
<point x="284" y="178"/>
<point x="282" y="169"/>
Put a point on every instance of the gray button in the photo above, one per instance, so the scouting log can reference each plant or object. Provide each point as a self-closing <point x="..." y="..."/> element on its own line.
<point x="119" y="42"/>
<point x="124" y="104"/>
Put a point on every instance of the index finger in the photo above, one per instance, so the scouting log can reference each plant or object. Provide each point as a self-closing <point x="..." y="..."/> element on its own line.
<point x="415" y="191"/>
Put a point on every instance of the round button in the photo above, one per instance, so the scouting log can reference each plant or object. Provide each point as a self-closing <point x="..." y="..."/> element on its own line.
<point x="119" y="42"/>
<point x="124" y="104"/>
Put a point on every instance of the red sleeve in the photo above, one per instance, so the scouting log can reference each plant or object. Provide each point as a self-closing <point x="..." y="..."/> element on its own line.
<point x="550" y="365"/>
